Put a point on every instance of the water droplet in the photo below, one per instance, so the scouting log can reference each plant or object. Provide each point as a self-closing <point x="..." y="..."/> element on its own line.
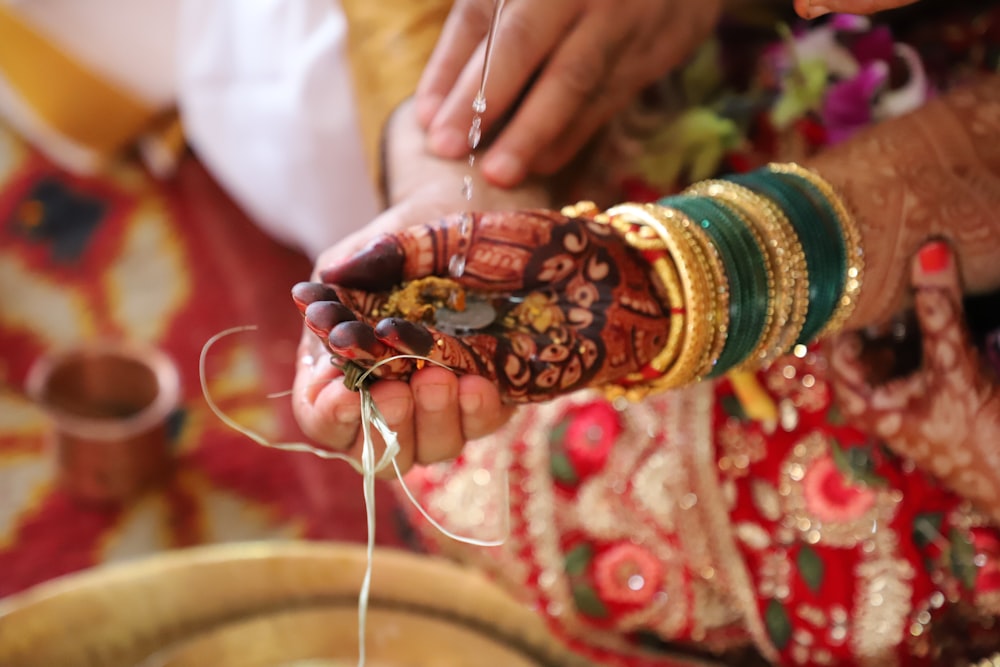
<point x="467" y="189"/>
<point x="475" y="132"/>
<point x="479" y="104"/>
<point x="636" y="582"/>
<point x="456" y="267"/>
<point x="465" y="224"/>
<point x="472" y="159"/>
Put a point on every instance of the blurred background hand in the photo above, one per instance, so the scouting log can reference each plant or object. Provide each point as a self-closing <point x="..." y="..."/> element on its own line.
<point x="561" y="69"/>
<point x="811" y="9"/>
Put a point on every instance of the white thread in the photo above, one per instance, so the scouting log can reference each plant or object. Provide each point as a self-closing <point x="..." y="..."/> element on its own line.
<point x="370" y="415"/>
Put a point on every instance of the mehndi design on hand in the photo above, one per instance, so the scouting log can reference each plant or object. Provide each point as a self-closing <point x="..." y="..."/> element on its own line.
<point x="543" y="304"/>
<point x="945" y="417"/>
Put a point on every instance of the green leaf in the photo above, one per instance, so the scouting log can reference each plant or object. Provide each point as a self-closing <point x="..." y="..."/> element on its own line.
<point x="561" y="468"/>
<point x="802" y="91"/>
<point x="701" y="78"/>
<point x="810" y="567"/>
<point x="779" y="626"/>
<point x="856" y="463"/>
<point x="586" y="600"/>
<point x="963" y="555"/>
<point x="558" y="432"/>
<point x="577" y="559"/>
<point x="834" y="417"/>
<point x="927" y="528"/>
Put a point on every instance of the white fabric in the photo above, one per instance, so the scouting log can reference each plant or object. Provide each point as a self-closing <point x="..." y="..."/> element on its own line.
<point x="132" y="44"/>
<point x="266" y="101"/>
<point x="263" y="87"/>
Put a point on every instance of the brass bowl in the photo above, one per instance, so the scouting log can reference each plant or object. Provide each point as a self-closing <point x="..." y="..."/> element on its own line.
<point x="287" y="604"/>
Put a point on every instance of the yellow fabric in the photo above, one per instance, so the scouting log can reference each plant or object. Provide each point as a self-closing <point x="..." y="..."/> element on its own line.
<point x="389" y="42"/>
<point x="70" y="99"/>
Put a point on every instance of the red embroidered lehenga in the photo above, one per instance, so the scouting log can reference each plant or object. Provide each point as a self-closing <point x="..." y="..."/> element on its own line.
<point x="739" y="520"/>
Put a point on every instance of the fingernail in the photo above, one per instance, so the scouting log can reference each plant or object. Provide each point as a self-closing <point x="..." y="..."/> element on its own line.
<point x="503" y="168"/>
<point x="815" y="11"/>
<point x="394" y="410"/>
<point x="446" y="142"/>
<point x="934" y="257"/>
<point x="435" y="397"/>
<point x="349" y="413"/>
<point x="470" y="403"/>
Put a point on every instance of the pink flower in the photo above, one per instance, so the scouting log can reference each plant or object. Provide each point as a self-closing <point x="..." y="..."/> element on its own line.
<point x="847" y="106"/>
<point x="627" y="575"/>
<point x="592" y="432"/>
<point x="831" y="497"/>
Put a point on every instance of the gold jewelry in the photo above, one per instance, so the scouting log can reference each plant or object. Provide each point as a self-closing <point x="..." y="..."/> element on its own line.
<point x="695" y="283"/>
<point x="854" y="252"/>
<point x="718" y="317"/>
<point x="647" y="241"/>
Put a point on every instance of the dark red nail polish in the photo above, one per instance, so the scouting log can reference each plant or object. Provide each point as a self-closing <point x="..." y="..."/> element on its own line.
<point x="935" y="257"/>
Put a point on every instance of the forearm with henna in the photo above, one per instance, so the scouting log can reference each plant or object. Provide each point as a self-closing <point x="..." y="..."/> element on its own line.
<point x="935" y="172"/>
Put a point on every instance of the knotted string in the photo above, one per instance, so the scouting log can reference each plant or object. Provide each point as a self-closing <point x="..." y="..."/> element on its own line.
<point x="368" y="466"/>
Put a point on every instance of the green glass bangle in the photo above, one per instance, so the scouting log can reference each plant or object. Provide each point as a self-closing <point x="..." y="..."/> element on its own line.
<point x="834" y="232"/>
<point x="826" y="275"/>
<point x="745" y="264"/>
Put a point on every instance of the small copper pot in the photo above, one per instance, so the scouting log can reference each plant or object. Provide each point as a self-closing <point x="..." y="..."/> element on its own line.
<point x="109" y="403"/>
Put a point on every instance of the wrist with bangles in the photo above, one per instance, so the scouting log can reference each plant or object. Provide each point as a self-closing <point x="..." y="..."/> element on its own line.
<point x="749" y="266"/>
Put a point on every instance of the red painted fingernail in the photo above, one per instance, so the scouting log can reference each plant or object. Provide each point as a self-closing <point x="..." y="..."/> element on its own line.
<point x="934" y="257"/>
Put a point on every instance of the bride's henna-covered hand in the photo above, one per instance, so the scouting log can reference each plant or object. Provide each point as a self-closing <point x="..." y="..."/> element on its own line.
<point x="573" y="305"/>
<point x="945" y="417"/>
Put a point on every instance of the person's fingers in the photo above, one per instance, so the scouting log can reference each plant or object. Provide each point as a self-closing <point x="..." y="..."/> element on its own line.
<point x="526" y="37"/>
<point x="377" y="266"/>
<point x="327" y="411"/>
<point x="466" y="26"/>
<point x="305" y="293"/>
<point x="811" y="9"/>
<point x="322" y="316"/>
<point x="438" y="434"/>
<point x="571" y="81"/>
<point x="848" y="375"/>
<point x="938" y="298"/>
<point x="395" y="401"/>
<point x="357" y="341"/>
<point x="567" y="145"/>
<point x="482" y="410"/>
<point x="404" y="336"/>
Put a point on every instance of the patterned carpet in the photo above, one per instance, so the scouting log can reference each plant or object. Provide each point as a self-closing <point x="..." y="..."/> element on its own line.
<point x="125" y="257"/>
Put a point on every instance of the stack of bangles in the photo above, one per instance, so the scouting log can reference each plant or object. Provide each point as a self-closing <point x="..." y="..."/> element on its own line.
<point x="749" y="267"/>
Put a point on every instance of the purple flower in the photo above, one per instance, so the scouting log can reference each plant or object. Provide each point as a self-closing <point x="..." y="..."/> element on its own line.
<point x="847" y="106"/>
<point x="875" y="44"/>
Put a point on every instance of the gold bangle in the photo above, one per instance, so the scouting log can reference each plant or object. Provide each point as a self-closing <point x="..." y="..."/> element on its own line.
<point x="667" y="284"/>
<point x="787" y="259"/>
<point x="854" y="252"/>
<point x="695" y="284"/>
<point x="718" y="317"/>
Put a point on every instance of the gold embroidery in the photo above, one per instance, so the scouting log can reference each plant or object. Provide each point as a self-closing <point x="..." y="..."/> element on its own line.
<point x="729" y="566"/>
<point x="842" y="526"/>
<point x="883" y="600"/>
